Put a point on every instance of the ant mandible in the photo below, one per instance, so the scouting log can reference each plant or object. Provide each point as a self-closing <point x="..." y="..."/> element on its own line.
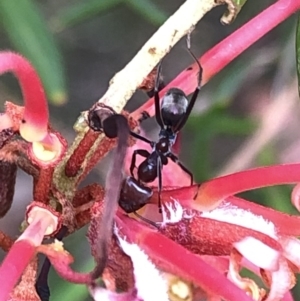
<point x="171" y="116"/>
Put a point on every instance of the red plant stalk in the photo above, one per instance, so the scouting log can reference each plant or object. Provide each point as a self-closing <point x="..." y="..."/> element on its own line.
<point x="227" y="50"/>
<point x="217" y="189"/>
<point x="286" y="224"/>
<point x="35" y="124"/>
<point x="13" y="266"/>
<point x="210" y="194"/>
<point x="23" y="250"/>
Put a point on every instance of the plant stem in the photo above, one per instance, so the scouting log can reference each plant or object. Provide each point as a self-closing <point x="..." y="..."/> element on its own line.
<point x="22" y="252"/>
<point x="124" y="83"/>
<point x="219" y="188"/>
<point x="227" y="50"/>
<point x="13" y="266"/>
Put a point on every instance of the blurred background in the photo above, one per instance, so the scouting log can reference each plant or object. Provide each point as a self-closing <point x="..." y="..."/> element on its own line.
<point x="248" y="115"/>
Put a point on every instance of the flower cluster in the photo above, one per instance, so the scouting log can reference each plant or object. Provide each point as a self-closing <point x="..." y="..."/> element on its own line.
<point x="195" y="249"/>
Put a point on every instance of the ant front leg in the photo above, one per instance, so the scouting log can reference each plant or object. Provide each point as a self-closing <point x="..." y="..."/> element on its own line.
<point x="159" y="168"/>
<point x="196" y="91"/>
<point x="146" y="220"/>
<point x="137" y="136"/>
<point x="41" y="285"/>
<point x="156" y="98"/>
<point x="176" y="160"/>
<point x="142" y="153"/>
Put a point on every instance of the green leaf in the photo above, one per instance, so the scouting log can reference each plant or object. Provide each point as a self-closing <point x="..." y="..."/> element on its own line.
<point x="148" y="10"/>
<point x="29" y="34"/>
<point x="298" y="51"/>
<point x="81" y="12"/>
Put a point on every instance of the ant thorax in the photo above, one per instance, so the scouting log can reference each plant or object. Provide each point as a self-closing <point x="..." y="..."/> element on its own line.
<point x="167" y="133"/>
<point x="173" y="107"/>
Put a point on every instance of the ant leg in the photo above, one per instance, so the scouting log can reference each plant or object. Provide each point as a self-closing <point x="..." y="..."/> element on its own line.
<point x="137" y="136"/>
<point x="176" y="160"/>
<point x="141" y="152"/>
<point x="146" y="220"/>
<point x="159" y="168"/>
<point x="41" y="285"/>
<point x="156" y="98"/>
<point x="195" y="94"/>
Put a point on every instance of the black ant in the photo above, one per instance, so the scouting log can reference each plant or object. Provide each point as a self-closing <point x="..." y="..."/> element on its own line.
<point x="171" y="116"/>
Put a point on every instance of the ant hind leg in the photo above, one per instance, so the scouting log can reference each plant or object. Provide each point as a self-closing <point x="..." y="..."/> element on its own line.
<point x="146" y="220"/>
<point x="176" y="160"/>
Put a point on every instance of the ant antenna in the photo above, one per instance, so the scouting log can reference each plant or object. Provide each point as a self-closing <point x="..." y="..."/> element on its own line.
<point x="158" y="116"/>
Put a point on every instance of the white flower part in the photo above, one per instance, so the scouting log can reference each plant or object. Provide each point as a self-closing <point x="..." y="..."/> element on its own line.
<point x="291" y="249"/>
<point x="229" y="213"/>
<point x="281" y="282"/>
<point x="258" y="253"/>
<point x="172" y="213"/>
<point x="100" y="294"/>
<point x="149" y="282"/>
<point x="189" y="214"/>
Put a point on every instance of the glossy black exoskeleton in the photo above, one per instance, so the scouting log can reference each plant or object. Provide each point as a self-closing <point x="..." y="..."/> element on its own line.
<point x="171" y="116"/>
<point x="134" y="195"/>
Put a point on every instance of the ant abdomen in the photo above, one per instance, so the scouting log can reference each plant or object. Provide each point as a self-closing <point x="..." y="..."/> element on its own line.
<point x="134" y="195"/>
<point x="173" y="107"/>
